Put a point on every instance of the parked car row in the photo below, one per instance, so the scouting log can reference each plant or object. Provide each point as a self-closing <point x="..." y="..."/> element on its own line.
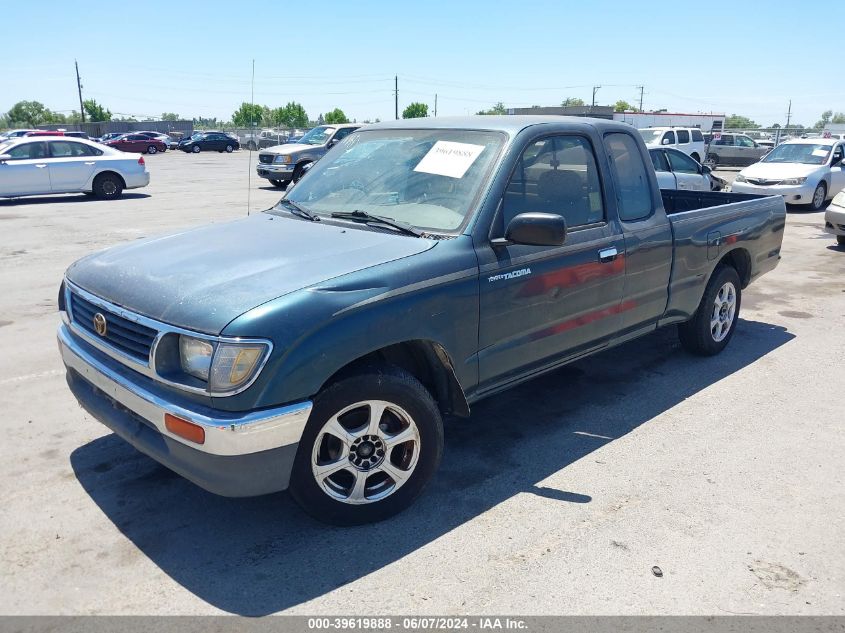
<point x="212" y="140"/>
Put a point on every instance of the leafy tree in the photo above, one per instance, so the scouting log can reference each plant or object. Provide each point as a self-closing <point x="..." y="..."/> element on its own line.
<point x="499" y="108"/>
<point x="623" y="106"/>
<point x="170" y="116"/>
<point x="206" y="122"/>
<point x="572" y="101"/>
<point x="30" y="114"/>
<point x="336" y="116"/>
<point x="95" y="111"/>
<point x="828" y="116"/>
<point x="737" y="122"/>
<point x="415" y="110"/>
<point x="247" y="114"/>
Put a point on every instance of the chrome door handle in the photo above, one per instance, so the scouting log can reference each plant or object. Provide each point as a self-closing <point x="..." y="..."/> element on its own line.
<point x="608" y="254"/>
<point x="41" y="165"/>
<point x="90" y="162"/>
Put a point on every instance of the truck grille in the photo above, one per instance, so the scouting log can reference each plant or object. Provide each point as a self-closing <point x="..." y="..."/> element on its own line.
<point x="133" y="339"/>
<point x="265" y="158"/>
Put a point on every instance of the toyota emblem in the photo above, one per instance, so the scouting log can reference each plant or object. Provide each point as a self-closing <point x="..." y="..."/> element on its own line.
<point x="100" y="325"/>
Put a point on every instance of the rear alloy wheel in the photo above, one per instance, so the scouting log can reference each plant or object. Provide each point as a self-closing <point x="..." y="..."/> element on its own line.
<point x="819" y="196"/>
<point x="107" y="186"/>
<point x="151" y="149"/>
<point x="710" y="329"/>
<point x="195" y="149"/>
<point x="229" y="149"/>
<point x="372" y="443"/>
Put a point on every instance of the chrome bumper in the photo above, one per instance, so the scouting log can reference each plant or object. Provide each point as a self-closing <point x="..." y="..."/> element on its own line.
<point x="226" y="433"/>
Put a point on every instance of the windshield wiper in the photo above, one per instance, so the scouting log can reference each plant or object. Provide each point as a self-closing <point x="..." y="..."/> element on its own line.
<point x="375" y="220"/>
<point x="298" y="210"/>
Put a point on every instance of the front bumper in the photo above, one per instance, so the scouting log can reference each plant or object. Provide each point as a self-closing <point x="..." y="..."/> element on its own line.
<point x="834" y="220"/>
<point x="244" y="454"/>
<point x="792" y="194"/>
<point x="273" y="171"/>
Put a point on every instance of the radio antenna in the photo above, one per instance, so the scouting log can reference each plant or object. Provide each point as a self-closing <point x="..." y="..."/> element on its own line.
<point x="249" y="144"/>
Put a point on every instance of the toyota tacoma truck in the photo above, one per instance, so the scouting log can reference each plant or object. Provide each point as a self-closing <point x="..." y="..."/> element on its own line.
<point x="420" y="266"/>
<point x="286" y="163"/>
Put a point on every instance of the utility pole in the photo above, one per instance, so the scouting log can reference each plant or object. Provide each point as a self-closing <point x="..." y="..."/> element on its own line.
<point x="642" y="89"/>
<point x="592" y="105"/>
<point x="435" y="104"/>
<point x="396" y="95"/>
<point x="789" y="113"/>
<point x="79" y="87"/>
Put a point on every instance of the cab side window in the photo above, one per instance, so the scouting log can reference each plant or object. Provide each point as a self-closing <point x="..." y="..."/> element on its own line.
<point x="668" y="138"/>
<point x="683" y="136"/>
<point x="744" y="141"/>
<point x="343" y="133"/>
<point x="633" y="189"/>
<point x="696" y="136"/>
<point x="557" y="174"/>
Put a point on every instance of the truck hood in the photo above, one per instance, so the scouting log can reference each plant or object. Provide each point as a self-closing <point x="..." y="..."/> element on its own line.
<point x="779" y="171"/>
<point x="290" y="148"/>
<point x="204" y="278"/>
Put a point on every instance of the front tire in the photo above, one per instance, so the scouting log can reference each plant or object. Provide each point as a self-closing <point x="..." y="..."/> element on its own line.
<point x="196" y="149"/>
<point x="151" y="149"/>
<point x="281" y="184"/>
<point x="107" y="186"/>
<point x="372" y="443"/>
<point x="229" y="149"/>
<point x="840" y="239"/>
<point x="819" y="197"/>
<point x="710" y="329"/>
<point x="298" y="171"/>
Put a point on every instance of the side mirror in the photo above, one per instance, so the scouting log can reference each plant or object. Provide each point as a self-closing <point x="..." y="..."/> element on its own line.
<point x="5" y="157"/>
<point x="534" y="229"/>
<point x="333" y="142"/>
<point x="666" y="141"/>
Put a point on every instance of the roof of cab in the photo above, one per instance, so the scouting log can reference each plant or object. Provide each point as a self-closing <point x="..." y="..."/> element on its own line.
<point x="510" y="124"/>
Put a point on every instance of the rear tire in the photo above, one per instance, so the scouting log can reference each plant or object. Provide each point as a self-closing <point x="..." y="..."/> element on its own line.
<point x="712" y="161"/>
<point x="107" y="186"/>
<point x="712" y="326"/>
<point x="152" y="149"/>
<point x="373" y="479"/>
<point x="229" y="149"/>
<point x="281" y="184"/>
<point x="840" y="239"/>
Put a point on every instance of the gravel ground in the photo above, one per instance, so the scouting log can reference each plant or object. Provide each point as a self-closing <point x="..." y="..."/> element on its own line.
<point x="558" y="497"/>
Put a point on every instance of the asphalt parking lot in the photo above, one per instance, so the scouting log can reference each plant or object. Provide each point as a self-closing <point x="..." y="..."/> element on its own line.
<point x="559" y="496"/>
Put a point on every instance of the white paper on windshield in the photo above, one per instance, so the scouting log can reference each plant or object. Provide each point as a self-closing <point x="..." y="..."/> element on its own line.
<point x="820" y="152"/>
<point x="447" y="158"/>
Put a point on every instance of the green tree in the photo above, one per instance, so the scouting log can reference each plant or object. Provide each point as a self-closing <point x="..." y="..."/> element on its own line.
<point x="30" y="114"/>
<point x="499" y="108"/>
<point x="205" y="122"/>
<point x="294" y="115"/>
<point x="572" y="101"/>
<point x="623" y="106"/>
<point x="170" y="116"/>
<point x="415" y="110"/>
<point x="247" y="115"/>
<point x="826" y="116"/>
<point x="737" y="122"/>
<point x="336" y="116"/>
<point x="95" y="111"/>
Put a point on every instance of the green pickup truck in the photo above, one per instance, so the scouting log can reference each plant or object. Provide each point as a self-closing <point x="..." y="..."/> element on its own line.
<point x="418" y="267"/>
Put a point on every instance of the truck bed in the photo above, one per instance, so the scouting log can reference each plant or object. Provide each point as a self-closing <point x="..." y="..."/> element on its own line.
<point x="677" y="201"/>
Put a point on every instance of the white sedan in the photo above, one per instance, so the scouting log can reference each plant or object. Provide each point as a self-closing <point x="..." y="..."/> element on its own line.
<point x="38" y="165"/>
<point x="804" y="171"/>
<point x="834" y="218"/>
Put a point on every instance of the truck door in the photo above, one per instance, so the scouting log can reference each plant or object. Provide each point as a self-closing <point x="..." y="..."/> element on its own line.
<point x="541" y="304"/>
<point x="648" y="236"/>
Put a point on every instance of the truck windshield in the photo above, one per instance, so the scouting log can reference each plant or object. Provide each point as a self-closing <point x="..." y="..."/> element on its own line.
<point x="806" y="153"/>
<point x="318" y="136"/>
<point x="651" y="136"/>
<point x="427" y="178"/>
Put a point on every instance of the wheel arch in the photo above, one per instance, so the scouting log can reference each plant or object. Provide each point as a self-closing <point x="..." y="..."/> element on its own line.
<point x="111" y="172"/>
<point x="427" y="361"/>
<point x="740" y="260"/>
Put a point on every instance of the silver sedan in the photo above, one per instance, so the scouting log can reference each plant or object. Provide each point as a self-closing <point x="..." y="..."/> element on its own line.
<point x="32" y="166"/>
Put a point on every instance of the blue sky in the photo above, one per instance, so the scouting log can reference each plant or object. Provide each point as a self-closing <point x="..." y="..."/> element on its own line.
<point x="195" y="57"/>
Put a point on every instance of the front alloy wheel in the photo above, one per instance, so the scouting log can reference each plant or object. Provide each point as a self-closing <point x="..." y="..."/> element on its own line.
<point x="373" y="441"/>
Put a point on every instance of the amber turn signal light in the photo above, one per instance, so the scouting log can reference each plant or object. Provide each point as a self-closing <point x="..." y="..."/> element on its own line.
<point x="190" y="431"/>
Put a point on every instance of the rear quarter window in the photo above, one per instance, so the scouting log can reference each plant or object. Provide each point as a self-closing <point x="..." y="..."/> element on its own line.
<point x="683" y="136"/>
<point x="633" y="191"/>
<point x="696" y="136"/>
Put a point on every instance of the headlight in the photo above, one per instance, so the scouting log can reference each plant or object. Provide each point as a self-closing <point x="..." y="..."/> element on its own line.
<point x="282" y="159"/>
<point x="740" y="178"/>
<point x="224" y="366"/>
<point x="794" y="181"/>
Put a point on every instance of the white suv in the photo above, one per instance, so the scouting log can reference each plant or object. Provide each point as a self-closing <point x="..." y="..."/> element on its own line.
<point x="689" y="140"/>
